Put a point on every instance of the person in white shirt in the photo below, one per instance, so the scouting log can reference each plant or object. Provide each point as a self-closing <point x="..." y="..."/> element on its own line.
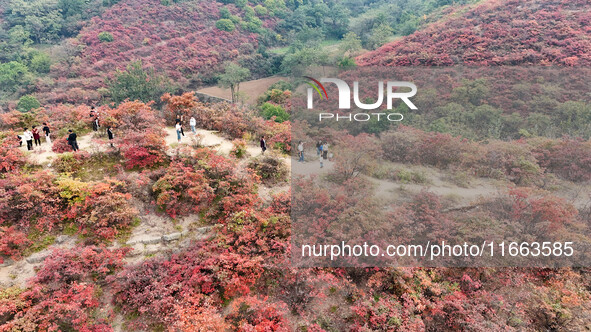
<point x="193" y="123"/>
<point x="28" y="137"/>
<point x="301" y="151"/>
<point x="179" y="130"/>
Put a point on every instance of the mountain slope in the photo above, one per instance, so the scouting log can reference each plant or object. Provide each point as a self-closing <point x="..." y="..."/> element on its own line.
<point x="507" y="32"/>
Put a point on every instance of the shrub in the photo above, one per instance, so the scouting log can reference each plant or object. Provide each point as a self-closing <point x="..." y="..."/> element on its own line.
<point x="11" y="157"/>
<point x="105" y="37"/>
<point x="40" y="63"/>
<point x="271" y="169"/>
<point x="12" y="243"/>
<point x="70" y="162"/>
<point x="64" y="295"/>
<point x="27" y="103"/>
<point x="238" y="148"/>
<point x="29" y="200"/>
<point x="60" y="145"/>
<point x="568" y="158"/>
<point x="225" y="24"/>
<point x="249" y="313"/>
<point x="274" y="112"/>
<point x="140" y="134"/>
<point x="101" y="210"/>
<point x="260" y="10"/>
<point x="156" y="286"/>
<point x="182" y="189"/>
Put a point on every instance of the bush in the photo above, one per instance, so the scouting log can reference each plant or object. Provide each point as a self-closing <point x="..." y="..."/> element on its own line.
<point x="12" y="243"/>
<point x="269" y="168"/>
<point x="105" y="37"/>
<point x="40" y="63"/>
<point x="182" y="190"/>
<point x="155" y="287"/>
<point x="61" y="145"/>
<point x="64" y="295"/>
<point x="29" y="201"/>
<point x="568" y="158"/>
<point x="11" y="157"/>
<point x="238" y="148"/>
<point x="260" y="10"/>
<point x="274" y="112"/>
<point x="27" y="103"/>
<point x="70" y="162"/>
<point x="225" y="24"/>
<point x="101" y="210"/>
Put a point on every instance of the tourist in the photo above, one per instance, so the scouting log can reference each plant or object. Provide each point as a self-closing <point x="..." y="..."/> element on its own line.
<point x="28" y="137"/>
<point x="301" y="151"/>
<point x="36" y="136"/>
<point x="72" y="140"/>
<point x="47" y="132"/>
<point x="263" y="145"/>
<point x="193" y="123"/>
<point x="110" y="135"/>
<point x="179" y="130"/>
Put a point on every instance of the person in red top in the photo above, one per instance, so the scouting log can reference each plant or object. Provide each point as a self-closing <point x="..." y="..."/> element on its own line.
<point x="36" y="136"/>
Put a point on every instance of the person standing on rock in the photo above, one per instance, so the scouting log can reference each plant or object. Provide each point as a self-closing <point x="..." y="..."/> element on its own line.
<point x="28" y="137"/>
<point x="193" y="123"/>
<point x="263" y="145"/>
<point x="47" y="133"/>
<point x="72" y="140"/>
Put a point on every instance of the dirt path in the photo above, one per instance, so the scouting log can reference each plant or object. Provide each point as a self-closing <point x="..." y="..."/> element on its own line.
<point x="251" y="89"/>
<point x="43" y="154"/>
<point x="209" y="139"/>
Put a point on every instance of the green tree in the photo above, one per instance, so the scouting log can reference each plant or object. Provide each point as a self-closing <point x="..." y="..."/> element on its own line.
<point x="346" y="63"/>
<point x="135" y="83"/>
<point x="260" y="10"/>
<point x="270" y="110"/>
<point x="380" y="35"/>
<point x="105" y="37"/>
<point x="232" y="77"/>
<point x="40" y="63"/>
<point x="27" y="103"/>
<point x="350" y="43"/>
<point x="225" y="24"/>
<point x="13" y="75"/>
<point x="15" y="46"/>
<point x="41" y="18"/>
<point x="297" y="61"/>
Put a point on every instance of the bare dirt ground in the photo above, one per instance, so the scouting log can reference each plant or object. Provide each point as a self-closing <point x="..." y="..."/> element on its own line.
<point x="251" y="89"/>
<point x="43" y="154"/>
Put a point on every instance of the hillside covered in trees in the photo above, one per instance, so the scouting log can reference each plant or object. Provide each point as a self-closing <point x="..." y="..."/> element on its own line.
<point x="545" y="32"/>
<point x="147" y="227"/>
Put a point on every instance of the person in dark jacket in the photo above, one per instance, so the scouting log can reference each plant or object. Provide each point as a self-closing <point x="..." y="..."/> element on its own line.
<point x="110" y="135"/>
<point x="47" y="132"/>
<point x="72" y="140"/>
<point x="263" y="145"/>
